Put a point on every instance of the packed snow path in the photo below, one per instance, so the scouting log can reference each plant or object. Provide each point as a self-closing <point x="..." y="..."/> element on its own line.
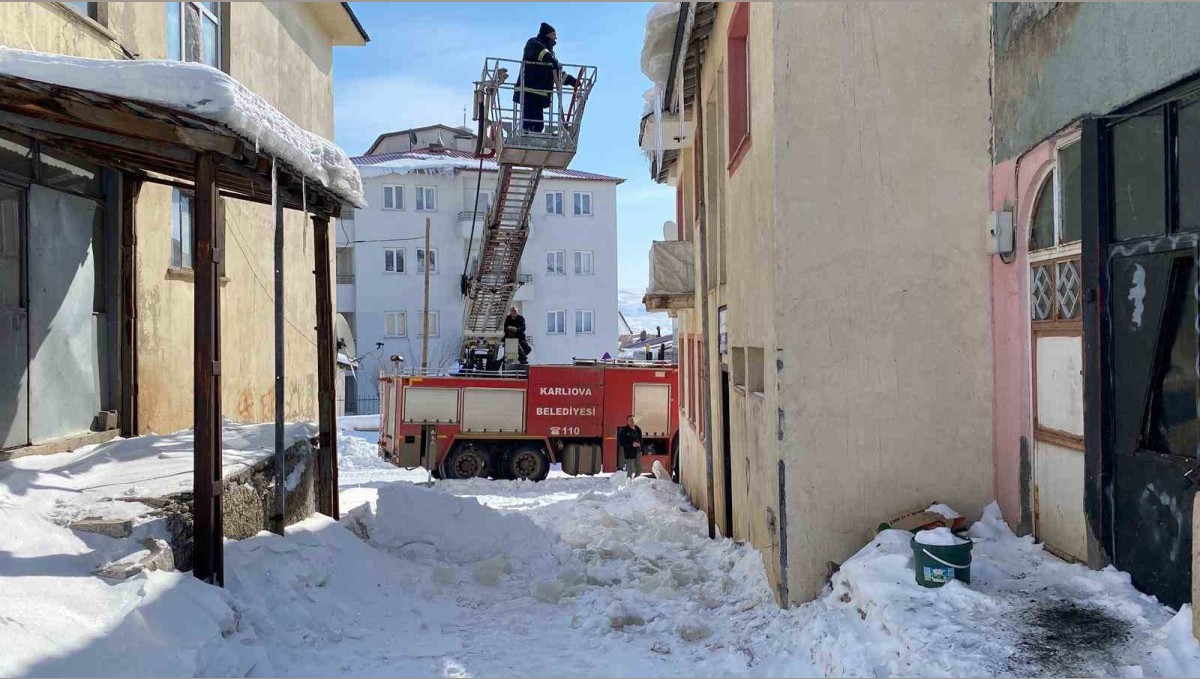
<point x="568" y="577"/>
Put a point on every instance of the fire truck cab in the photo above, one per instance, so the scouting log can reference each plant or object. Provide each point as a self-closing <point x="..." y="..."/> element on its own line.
<point x="516" y="427"/>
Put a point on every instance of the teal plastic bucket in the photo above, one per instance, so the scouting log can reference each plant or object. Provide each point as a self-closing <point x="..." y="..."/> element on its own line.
<point x="936" y="565"/>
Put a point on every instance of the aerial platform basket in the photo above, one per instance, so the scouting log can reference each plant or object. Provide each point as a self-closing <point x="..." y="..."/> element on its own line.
<point x="501" y="135"/>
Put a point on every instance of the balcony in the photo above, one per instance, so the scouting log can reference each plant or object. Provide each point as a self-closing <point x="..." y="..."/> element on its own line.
<point x="464" y="224"/>
<point x="345" y="292"/>
<point x="525" y="288"/>
<point x="672" y="277"/>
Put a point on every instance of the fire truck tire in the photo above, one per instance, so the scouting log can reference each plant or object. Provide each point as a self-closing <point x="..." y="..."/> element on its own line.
<point x="527" y="462"/>
<point x="465" y="461"/>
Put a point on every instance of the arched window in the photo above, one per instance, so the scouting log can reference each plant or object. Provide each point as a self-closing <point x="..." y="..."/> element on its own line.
<point x="1041" y="226"/>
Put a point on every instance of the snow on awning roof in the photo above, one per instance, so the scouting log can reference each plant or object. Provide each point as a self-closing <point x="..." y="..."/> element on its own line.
<point x="155" y="115"/>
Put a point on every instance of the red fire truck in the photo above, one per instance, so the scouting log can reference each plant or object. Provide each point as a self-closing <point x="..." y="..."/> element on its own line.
<point x="488" y="425"/>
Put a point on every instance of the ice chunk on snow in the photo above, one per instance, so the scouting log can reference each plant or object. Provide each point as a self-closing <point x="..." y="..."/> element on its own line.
<point x="204" y="91"/>
<point x="939" y="537"/>
<point x="661" y="472"/>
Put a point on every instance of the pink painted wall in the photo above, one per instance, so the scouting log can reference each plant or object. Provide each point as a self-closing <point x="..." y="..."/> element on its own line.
<point x="1014" y="187"/>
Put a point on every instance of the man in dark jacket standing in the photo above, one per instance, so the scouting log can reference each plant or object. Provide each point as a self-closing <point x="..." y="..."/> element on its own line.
<point x="538" y="74"/>
<point x="514" y="328"/>
<point x="629" y="444"/>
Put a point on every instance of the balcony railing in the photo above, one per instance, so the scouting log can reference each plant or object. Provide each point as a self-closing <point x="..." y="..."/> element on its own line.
<point x="345" y="278"/>
<point x="524" y="278"/>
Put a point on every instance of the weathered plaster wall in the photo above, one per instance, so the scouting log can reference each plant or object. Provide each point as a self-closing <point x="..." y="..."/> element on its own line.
<point x="1054" y="65"/>
<point x="882" y="133"/>
<point x="280" y="52"/>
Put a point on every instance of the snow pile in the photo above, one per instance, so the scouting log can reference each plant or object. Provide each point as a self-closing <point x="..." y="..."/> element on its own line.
<point x="659" y="41"/>
<point x="203" y="91"/>
<point x="456" y="530"/>
<point x="60" y="620"/>
<point x="939" y="537"/>
<point x="107" y="479"/>
<point x="945" y="510"/>
<point x="359" y="454"/>
<point x="1025" y="613"/>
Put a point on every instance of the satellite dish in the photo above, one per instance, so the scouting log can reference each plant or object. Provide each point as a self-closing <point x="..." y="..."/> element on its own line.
<point x="345" y="337"/>
<point x="670" y="231"/>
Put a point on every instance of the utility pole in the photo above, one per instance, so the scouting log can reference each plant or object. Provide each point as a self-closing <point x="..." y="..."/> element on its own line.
<point x="425" y="313"/>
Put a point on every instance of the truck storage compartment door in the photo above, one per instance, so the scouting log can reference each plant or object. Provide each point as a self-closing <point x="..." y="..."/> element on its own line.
<point x="430" y="405"/>
<point x="487" y="410"/>
<point x="651" y="408"/>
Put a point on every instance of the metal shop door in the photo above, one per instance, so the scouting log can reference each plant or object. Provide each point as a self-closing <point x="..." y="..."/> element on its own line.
<point x="1142" y="228"/>
<point x="14" y="325"/>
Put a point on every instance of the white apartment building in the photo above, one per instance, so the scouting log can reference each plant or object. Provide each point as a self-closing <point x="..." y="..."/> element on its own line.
<point x="568" y="293"/>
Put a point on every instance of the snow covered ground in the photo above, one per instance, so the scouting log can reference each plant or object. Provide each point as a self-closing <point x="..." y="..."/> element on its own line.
<point x="568" y="577"/>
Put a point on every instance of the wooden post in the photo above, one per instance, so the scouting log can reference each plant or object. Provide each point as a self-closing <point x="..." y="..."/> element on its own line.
<point x="278" y="522"/>
<point x="425" y="311"/>
<point x="327" y="484"/>
<point x="209" y="557"/>
<point x="127" y="415"/>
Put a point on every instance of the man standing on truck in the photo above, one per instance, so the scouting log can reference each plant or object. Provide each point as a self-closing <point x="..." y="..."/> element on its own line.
<point x="629" y="443"/>
<point x="539" y="70"/>
<point x="514" y="328"/>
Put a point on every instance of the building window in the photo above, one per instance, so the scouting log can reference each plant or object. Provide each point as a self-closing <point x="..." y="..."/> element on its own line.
<point x="395" y="324"/>
<point x="194" y="32"/>
<point x="583" y="263"/>
<point x="181" y="229"/>
<point x="556" y="322"/>
<point x="90" y="10"/>
<point x="738" y="85"/>
<point x="1057" y="217"/>
<point x="426" y="198"/>
<point x="435" y="329"/>
<point x="485" y="200"/>
<point x="556" y="263"/>
<point x="393" y="260"/>
<point x="393" y="197"/>
<point x="429" y="256"/>
<point x="585" y="322"/>
<point x="554" y="203"/>
<point x="583" y="204"/>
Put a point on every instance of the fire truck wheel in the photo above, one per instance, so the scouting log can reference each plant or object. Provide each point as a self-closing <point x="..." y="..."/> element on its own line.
<point x="465" y="461"/>
<point x="527" y="462"/>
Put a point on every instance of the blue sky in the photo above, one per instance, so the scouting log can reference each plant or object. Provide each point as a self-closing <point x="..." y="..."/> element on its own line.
<point x="423" y="58"/>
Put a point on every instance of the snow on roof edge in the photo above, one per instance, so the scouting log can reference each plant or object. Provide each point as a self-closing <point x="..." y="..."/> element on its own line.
<point x="203" y="91"/>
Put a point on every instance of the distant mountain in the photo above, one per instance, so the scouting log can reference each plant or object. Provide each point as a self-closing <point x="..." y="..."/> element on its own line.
<point x="629" y="301"/>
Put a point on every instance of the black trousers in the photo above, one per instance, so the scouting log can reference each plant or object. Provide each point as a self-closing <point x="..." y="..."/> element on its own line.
<point x="533" y="112"/>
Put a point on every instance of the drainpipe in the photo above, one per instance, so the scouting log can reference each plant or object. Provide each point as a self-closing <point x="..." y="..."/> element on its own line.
<point x="706" y="334"/>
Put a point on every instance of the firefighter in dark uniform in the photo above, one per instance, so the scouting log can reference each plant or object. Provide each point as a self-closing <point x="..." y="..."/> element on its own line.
<point x="514" y="328"/>
<point x="538" y="74"/>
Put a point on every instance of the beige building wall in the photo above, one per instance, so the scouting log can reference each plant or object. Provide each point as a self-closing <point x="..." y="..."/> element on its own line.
<point x="883" y="128"/>
<point x="280" y="51"/>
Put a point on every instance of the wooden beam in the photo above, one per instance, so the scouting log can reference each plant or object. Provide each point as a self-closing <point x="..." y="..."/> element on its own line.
<point x="208" y="544"/>
<point x="128" y="413"/>
<point x="327" y="483"/>
<point x="280" y="518"/>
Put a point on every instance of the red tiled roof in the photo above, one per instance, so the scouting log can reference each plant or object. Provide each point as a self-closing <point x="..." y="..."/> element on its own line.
<point x="488" y="165"/>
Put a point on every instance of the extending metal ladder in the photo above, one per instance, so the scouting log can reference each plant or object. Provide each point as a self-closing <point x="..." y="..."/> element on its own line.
<point x="494" y="282"/>
<point x="521" y="156"/>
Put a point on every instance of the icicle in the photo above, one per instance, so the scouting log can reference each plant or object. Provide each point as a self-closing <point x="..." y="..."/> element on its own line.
<point x="658" y="125"/>
<point x="304" y="204"/>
